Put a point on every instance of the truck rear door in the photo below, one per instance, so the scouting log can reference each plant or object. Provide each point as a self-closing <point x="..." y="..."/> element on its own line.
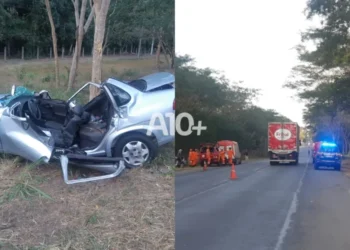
<point x="274" y="134"/>
<point x="290" y="137"/>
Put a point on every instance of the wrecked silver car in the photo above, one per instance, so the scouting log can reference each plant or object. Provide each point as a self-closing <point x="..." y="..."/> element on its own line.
<point x="107" y="133"/>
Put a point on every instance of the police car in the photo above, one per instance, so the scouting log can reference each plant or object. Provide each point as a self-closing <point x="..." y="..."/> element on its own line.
<point x="328" y="156"/>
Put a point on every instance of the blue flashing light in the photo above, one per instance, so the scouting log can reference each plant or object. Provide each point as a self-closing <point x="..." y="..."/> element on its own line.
<point x="327" y="144"/>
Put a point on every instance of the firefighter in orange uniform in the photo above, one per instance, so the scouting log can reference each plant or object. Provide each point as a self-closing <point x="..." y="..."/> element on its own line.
<point x="191" y="158"/>
<point x="222" y="156"/>
<point x="208" y="156"/>
<point x="230" y="154"/>
<point x="196" y="157"/>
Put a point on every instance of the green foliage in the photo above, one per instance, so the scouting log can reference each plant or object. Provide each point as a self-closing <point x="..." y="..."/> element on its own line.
<point x="225" y="108"/>
<point x="322" y="79"/>
<point x="25" y="23"/>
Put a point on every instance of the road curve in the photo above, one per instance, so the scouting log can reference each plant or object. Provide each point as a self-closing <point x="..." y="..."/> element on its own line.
<point x="268" y="207"/>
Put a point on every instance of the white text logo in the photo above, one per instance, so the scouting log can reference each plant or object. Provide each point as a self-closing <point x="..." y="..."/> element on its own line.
<point x="283" y="134"/>
<point x="174" y="125"/>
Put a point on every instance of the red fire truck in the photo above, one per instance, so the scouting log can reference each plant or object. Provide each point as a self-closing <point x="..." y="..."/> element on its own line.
<point x="213" y="152"/>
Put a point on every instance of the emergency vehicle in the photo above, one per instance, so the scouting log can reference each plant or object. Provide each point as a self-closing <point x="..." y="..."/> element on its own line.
<point x="328" y="155"/>
<point x="213" y="151"/>
<point x="226" y="145"/>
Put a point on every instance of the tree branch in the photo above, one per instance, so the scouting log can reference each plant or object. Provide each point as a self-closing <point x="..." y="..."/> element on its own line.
<point x="76" y="11"/>
<point x="106" y="39"/>
<point x="88" y="21"/>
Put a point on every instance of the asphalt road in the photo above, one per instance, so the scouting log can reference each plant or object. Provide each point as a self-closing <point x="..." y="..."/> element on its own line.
<point x="281" y="207"/>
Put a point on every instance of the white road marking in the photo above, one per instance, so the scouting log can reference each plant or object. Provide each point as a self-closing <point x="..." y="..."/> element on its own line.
<point x="292" y="209"/>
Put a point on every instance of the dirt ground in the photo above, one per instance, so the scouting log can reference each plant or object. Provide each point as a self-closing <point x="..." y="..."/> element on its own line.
<point x="39" y="211"/>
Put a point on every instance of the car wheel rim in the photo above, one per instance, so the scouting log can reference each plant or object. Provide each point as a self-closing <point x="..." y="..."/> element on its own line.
<point x="135" y="153"/>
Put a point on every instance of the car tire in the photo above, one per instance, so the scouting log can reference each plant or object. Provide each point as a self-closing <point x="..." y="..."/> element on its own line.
<point x="140" y="142"/>
<point x="315" y="166"/>
<point x="272" y="163"/>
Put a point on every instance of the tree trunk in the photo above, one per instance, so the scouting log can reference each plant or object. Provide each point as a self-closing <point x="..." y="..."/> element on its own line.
<point x="105" y="42"/>
<point x="101" y="10"/>
<point x="70" y="50"/>
<point x="139" y="49"/>
<point x="158" y="52"/>
<point x="173" y="59"/>
<point x="152" y="45"/>
<point x="165" y="54"/>
<point x="54" y="42"/>
<point x="80" y="31"/>
<point x="8" y="49"/>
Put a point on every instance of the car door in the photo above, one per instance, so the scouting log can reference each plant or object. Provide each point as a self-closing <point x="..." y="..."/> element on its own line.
<point x="82" y="95"/>
<point x="19" y="136"/>
<point x="137" y="108"/>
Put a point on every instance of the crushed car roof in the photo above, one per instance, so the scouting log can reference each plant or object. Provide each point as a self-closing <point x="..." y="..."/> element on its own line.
<point x="152" y="81"/>
<point x="158" y="79"/>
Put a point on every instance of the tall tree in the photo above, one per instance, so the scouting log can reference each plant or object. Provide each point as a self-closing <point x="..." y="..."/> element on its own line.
<point x="81" y="29"/>
<point x="322" y="79"/>
<point x="101" y="9"/>
<point x="219" y="104"/>
<point x="54" y="41"/>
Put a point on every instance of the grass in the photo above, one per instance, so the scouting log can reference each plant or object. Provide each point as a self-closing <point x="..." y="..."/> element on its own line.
<point x="39" y="211"/>
<point x="40" y="74"/>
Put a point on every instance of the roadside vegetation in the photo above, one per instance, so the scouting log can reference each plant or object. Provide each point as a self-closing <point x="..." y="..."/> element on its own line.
<point x="225" y="107"/>
<point x="322" y="79"/>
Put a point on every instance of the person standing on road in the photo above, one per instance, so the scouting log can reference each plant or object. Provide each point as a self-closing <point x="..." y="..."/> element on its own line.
<point x="222" y="156"/>
<point x="196" y="156"/>
<point x="208" y="156"/>
<point x="191" y="159"/>
<point x="179" y="158"/>
<point x="230" y="156"/>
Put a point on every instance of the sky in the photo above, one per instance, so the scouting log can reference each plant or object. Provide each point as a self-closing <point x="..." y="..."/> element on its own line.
<point x="252" y="41"/>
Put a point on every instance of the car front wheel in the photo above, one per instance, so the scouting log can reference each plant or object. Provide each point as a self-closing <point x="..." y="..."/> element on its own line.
<point x="135" y="150"/>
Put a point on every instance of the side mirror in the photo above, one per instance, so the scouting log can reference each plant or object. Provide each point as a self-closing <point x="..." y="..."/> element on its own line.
<point x="13" y="90"/>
